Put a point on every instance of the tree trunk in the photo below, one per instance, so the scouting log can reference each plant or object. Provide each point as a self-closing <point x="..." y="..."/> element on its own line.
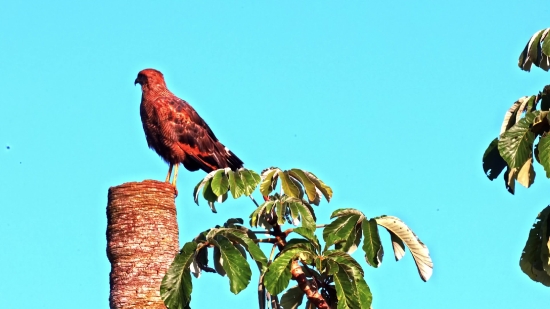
<point x="142" y="241"/>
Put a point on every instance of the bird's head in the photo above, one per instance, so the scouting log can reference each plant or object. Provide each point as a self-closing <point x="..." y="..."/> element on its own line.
<point x="150" y="79"/>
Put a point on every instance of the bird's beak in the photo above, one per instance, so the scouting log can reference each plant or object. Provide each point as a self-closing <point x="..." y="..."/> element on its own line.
<point x="136" y="82"/>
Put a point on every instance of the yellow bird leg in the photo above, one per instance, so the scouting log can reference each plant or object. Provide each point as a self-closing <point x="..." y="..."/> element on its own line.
<point x="169" y="173"/>
<point x="175" y="175"/>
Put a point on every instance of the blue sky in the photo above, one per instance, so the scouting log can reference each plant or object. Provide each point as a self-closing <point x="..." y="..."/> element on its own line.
<point x="390" y="103"/>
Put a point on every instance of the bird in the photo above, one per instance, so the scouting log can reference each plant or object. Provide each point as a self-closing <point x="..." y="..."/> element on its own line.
<point x="176" y="131"/>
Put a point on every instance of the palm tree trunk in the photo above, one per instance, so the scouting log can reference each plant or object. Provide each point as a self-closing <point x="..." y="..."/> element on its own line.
<point x="142" y="241"/>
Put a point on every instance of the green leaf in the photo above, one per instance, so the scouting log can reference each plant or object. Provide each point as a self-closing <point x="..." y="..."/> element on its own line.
<point x="236" y="184"/>
<point x="306" y="247"/>
<point x="340" y="229"/>
<point x="493" y="163"/>
<point x="235" y="265"/>
<point x="516" y="144"/>
<point x="220" y="183"/>
<point x="298" y="207"/>
<point x="278" y="275"/>
<point x="176" y="286"/>
<point x="207" y="192"/>
<point x="344" y="258"/>
<point x="308" y="234"/>
<point x="352" y="243"/>
<point x="250" y="181"/>
<point x="546" y="44"/>
<point x="372" y="244"/>
<point x="289" y="188"/>
<point x="544" y="153"/>
<point x="201" y="184"/>
<point x="345" y="212"/>
<point x="256" y="215"/>
<point x="533" y="262"/>
<point x="269" y="180"/>
<point x="280" y="210"/>
<point x="242" y="238"/>
<point x="306" y="182"/>
<point x="351" y="289"/>
<point x="321" y="186"/>
<point x="292" y="298"/>
<point x="419" y="251"/>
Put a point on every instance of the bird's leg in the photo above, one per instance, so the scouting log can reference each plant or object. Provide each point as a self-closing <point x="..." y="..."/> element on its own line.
<point x="169" y="173"/>
<point x="175" y="175"/>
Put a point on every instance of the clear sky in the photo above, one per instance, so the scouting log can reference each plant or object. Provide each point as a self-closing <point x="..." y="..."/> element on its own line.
<point x="390" y="103"/>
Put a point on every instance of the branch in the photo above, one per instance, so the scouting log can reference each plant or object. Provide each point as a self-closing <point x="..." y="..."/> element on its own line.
<point x="268" y="240"/>
<point x="311" y="292"/>
<point x="296" y="271"/>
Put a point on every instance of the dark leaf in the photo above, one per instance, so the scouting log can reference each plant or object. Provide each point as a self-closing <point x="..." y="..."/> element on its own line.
<point x="532" y="262"/>
<point x="545" y="95"/>
<point x="231" y="222"/>
<point x="292" y="298"/>
<point x="493" y="163"/>
<point x="218" y="262"/>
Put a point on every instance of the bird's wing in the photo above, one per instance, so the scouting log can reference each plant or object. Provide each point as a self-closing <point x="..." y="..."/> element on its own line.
<point x="192" y="135"/>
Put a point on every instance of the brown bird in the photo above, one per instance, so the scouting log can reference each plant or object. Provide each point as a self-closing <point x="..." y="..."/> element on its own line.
<point x="176" y="132"/>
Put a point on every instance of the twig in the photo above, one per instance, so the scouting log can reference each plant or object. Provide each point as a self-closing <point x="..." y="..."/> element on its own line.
<point x="268" y="240"/>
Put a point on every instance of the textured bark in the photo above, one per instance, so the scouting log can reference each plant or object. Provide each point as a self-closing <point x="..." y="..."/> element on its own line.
<point x="311" y="292"/>
<point x="142" y="241"/>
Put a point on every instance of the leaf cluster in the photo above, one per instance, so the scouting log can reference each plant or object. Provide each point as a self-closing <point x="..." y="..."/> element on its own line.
<point x="537" y="51"/>
<point x="535" y="258"/>
<point x="328" y="276"/>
